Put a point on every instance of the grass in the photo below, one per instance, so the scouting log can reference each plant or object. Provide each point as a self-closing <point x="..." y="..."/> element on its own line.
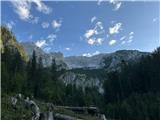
<point x="7" y="112"/>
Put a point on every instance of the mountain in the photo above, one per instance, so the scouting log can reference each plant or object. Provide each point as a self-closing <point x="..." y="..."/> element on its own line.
<point x="83" y="61"/>
<point x="46" y="57"/>
<point x="85" y="71"/>
<point x="113" y="59"/>
<point x="8" y="40"/>
<point x="94" y="62"/>
<point x="88" y="71"/>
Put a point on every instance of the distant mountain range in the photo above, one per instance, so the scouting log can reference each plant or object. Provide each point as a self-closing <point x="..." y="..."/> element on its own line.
<point x="114" y="59"/>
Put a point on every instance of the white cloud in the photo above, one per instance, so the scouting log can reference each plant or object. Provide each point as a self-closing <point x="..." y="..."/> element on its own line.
<point x="98" y="29"/>
<point x="92" y="35"/>
<point x="123" y="38"/>
<point x="99" y="2"/>
<point x="112" y="1"/>
<point x="117" y="4"/>
<point x="10" y="24"/>
<point x="112" y="42"/>
<point x="40" y="43"/>
<point x="115" y="29"/>
<point x="128" y="38"/>
<point x="45" y="25"/>
<point x="131" y="33"/>
<point x="89" y="33"/>
<point x="68" y="49"/>
<point x="23" y="9"/>
<point x="123" y="42"/>
<point x="93" y="19"/>
<point x="99" y="41"/>
<point x="91" y="54"/>
<point x="155" y="19"/>
<point x="51" y="37"/>
<point x="99" y="25"/>
<point x="91" y="41"/>
<point x="87" y="55"/>
<point x="42" y="7"/>
<point x="47" y="49"/>
<point x="56" y="24"/>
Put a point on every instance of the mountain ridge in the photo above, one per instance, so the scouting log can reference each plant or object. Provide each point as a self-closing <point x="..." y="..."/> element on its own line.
<point x="93" y="62"/>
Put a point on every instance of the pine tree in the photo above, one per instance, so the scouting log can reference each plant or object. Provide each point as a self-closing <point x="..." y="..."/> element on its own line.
<point x="54" y="70"/>
<point x="40" y="77"/>
<point x="32" y="75"/>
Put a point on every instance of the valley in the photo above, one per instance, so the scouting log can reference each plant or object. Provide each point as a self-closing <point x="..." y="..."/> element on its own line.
<point x="116" y="84"/>
<point x="80" y="59"/>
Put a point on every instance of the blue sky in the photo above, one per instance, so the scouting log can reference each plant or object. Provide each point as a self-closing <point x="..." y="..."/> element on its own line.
<point x="84" y="28"/>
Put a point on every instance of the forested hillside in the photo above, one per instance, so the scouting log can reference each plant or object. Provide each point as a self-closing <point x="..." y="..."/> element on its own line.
<point x="131" y="93"/>
<point x="32" y="79"/>
<point x="134" y="93"/>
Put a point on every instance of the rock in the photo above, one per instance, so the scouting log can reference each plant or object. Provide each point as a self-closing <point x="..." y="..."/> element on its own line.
<point x="14" y="102"/>
<point x="48" y="116"/>
<point x="34" y="108"/>
<point x="102" y="117"/>
<point x="50" y="107"/>
<point x="26" y="102"/>
<point x="19" y="96"/>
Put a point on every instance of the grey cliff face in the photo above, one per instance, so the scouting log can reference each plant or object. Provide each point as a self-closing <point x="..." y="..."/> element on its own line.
<point x="113" y="59"/>
<point x="46" y="57"/>
<point x="82" y="80"/>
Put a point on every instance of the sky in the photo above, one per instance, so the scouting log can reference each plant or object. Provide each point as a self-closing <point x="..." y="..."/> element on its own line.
<point x="84" y="28"/>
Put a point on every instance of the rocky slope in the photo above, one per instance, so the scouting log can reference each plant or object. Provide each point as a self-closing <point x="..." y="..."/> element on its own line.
<point x="82" y="80"/>
<point x="46" y="57"/>
<point x="113" y="59"/>
<point x="86" y="71"/>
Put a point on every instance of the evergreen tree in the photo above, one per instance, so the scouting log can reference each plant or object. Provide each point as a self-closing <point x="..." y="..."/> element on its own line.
<point x="40" y="77"/>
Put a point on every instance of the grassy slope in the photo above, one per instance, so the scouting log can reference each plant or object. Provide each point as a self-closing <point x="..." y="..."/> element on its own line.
<point x="7" y="113"/>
